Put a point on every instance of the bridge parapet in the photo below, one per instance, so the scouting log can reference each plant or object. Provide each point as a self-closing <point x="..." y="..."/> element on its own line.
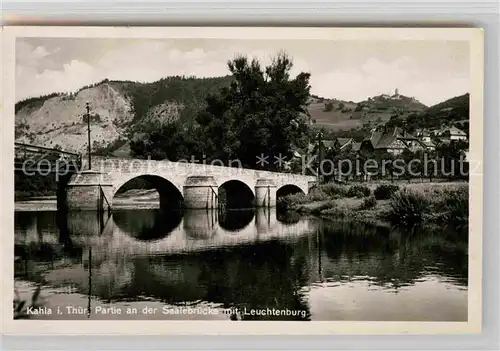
<point x="125" y="165"/>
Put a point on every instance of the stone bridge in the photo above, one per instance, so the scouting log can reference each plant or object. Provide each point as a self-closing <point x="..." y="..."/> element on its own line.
<point x="180" y="184"/>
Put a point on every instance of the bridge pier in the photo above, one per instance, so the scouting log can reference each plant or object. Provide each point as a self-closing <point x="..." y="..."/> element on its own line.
<point x="200" y="223"/>
<point x="265" y="220"/>
<point x="89" y="190"/>
<point x="200" y="192"/>
<point x="265" y="193"/>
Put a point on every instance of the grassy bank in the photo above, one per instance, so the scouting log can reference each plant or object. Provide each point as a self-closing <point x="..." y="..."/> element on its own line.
<point x="399" y="204"/>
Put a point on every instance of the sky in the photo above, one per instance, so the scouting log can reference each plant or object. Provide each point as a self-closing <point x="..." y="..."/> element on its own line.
<point x="430" y="71"/>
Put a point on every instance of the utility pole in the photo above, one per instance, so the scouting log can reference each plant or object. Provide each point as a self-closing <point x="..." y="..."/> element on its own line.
<point x="320" y="154"/>
<point x="87" y="106"/>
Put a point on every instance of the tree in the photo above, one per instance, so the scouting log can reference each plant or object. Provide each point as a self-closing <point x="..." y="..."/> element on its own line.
<point x="260" y="114"/>
<point x="452" y="156"/>
<point x="262" y="111"/>
<point x="173" y="141"/>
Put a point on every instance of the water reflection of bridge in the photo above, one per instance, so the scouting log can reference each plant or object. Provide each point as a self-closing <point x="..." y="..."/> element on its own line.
<point x="202" y="256"/>
<point x="150" y="232"/>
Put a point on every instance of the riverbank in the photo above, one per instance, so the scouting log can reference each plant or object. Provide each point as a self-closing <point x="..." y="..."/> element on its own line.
<point x="385" y="203"/>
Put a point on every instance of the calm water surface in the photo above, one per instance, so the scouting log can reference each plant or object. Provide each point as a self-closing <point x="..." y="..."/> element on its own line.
<point x="250" y="260"/>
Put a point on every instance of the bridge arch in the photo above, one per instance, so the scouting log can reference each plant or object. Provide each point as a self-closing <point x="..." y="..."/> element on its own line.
<point x="235" y="194"/>
<point x="289" y="189"/>
<point x="169" y="194"/>
<point x="234" y="221"/>
<point x="146" y="225"/>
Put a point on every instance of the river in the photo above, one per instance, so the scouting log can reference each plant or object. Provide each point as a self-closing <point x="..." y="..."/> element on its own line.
<point x="199" y="264"/>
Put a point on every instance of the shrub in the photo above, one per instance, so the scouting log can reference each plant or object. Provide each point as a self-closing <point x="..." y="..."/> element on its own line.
<point x="408" y="207"/>
<point x="287" y="202"/>
<point x="385" y="191"/>
<point x="333" y="190"/>
<point x="455" y="205"/>
<point x="328" y="107"/>
<point x="326" y="206"/>
<point x="315" y="195"/>
<point x="21" y="306"/>
<point x="369" y="202"/>
<point x="359" y="191"/>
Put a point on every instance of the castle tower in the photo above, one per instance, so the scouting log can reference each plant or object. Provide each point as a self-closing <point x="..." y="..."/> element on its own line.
<point x="396" y="92"/>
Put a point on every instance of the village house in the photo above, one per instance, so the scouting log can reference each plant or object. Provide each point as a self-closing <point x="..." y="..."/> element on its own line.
<point x="425" y="137"/>
<point x="343" y="143"/>
<point x="393" y="141"/>
<point x="451" y="133"/>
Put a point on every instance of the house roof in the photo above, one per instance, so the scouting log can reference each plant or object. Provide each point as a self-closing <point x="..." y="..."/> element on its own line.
<point x="452" y="130"/>
<point x="375" y="138"/>
<point x="344" y="141"/>
<point x="329" y="143"/>
<point x="381" y="140"/>
<point x="386" y="140"/>
<point x="402" y="134"/>
<point x="356" y="146"/>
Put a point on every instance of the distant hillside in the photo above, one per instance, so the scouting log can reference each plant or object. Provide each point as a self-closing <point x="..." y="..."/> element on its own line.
<point x="454" y="111"/>
<point x="344" y="115"/>
<point x="116" y="107"/>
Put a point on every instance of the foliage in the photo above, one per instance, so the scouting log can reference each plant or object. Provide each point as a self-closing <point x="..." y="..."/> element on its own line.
<point x="385" y="191"/>
<point x="259" y="113"/>
<point x="34" y="102"/>
<point x="287" y="202"/>
<point x="333" y="190"/>
<point x="191" y="92"/>
<point x="452" y="156"/>
<point x="109" y="149"/>
<point x="328" y="107"/>
<point x="408" y="207"/>
<point x="455" y="205"/>
<point x="368" y="202"/>
<point x="323" y="207"/>
<point x="316" y="195"/>
<point x="173" y="141"/>
<point x="36" y="185"/>
<point x="21" y="306"/>
<point x="359" y="191"/>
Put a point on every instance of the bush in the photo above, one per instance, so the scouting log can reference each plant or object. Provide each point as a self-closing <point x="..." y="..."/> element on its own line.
<point x="328" y="107"/>
<point x="408" y="207"/>
<point x="333" y="190"/>
<point x="455" y="205"/>
<point x="326" y="206"/>
<point x="316" y="195"/>
<point x="287" y="202"/>
<point x="21" y="306"/>
<point x="359" y="191"/>
<point x="385" y="191"/>
<point x="369" y="202"/>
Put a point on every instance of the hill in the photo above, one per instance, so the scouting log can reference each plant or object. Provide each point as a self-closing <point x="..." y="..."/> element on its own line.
<point x="454" y="111"/>
<point x="345" y="115"/>
<point x="116" y="108"/>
